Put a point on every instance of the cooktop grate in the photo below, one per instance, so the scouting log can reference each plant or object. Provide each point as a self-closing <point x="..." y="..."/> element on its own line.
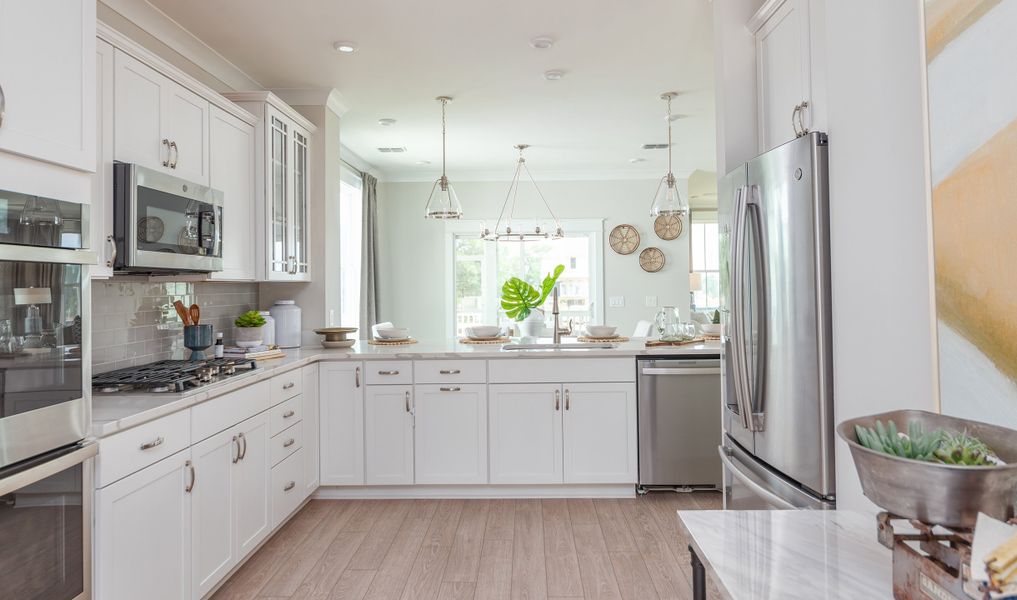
<point x="166" y="375"/>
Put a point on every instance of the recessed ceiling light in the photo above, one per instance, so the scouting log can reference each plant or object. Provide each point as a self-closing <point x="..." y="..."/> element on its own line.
<point x="637" y="160"/>
<point x="386" y="122"/>
<point x="554" y="74"/>
<point x="423" y="162"/>
<point x="345" y="47"/>
<point x="541" y="42"/>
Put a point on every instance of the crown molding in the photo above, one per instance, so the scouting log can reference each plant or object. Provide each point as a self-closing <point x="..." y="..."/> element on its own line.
<point x="329" y="98"/>
<point x="641" y="174"/>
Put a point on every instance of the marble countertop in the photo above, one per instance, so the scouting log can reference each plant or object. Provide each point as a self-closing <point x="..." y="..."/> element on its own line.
<point x="116" y="412"/>
<point x="791" y="555"/>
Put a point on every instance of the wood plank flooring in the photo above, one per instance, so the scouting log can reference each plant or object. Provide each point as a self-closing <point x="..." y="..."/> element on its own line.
<point x="625" y="549"/>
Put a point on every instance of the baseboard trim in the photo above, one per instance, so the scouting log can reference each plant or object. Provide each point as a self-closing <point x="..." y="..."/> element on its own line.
<point x="626" y="490"/>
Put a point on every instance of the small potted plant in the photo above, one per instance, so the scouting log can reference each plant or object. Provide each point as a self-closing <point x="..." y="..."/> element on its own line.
<point x="712" y="328"/>
<point x="522" y="302"/>
<point x="249" y="329"/>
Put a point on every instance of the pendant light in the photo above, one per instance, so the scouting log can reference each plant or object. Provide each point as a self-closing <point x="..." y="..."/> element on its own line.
<point x="668" y="200"/>
<point x="443" y="202"/>
<point x="506" y="233"/>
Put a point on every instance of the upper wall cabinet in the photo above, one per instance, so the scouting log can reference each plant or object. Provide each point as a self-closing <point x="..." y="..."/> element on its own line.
<point x="283" y="159"/>
<point x="789" y="69"/>
<point x="101" y="225"/>
<point x="159" y="123"/>
<point x="232" y="172"/>
<point x="47" y="78"/>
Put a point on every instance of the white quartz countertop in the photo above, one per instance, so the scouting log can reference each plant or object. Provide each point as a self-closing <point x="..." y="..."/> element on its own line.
<point x="791" y="554"/>
<point x="115" y="412"/>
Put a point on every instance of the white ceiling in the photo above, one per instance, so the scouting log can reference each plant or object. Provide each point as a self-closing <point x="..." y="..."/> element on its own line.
<point x="618" y="57"/>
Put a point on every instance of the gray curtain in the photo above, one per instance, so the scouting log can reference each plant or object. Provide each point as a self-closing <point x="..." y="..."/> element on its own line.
<point x="369" y="257"/>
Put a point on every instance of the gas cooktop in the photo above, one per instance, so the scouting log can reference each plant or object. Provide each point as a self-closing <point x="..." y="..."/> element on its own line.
<point x="170" y="375"/>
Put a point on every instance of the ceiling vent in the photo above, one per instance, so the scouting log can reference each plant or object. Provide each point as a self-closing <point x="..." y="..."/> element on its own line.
<point x="654" y="146"/>
<point x="392" y="150"/>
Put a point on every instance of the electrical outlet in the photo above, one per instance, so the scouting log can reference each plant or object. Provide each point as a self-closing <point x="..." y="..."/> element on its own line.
<point x="616" y="301"/>
<point x="651" y="301"/>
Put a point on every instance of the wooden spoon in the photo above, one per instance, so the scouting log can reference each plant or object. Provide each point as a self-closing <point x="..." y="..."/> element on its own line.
<point x="195" y="314"/>
<point x="182" y="312"/>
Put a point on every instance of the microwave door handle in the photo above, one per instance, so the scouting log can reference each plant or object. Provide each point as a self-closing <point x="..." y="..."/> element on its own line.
<point x="755" y="213"/>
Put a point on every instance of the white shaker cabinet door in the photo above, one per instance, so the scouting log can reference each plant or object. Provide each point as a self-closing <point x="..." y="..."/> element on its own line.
<point x="139" y="101"/>
<point x="143" y="534"/>
<point x="231" y="171"/>
<point x="600" y="433"/>
<point x="450" y="434"/>
<point x="783" y="72"/>
<point x="311" y="407"/>
<point x="526" y="433"/>
<point x="101" y="222"/>
<point x="185" y="124"/>
<point x="250" y="484"/>
<point x="47" y="80"/>
<point x="341" y="422"/>
<point x="212" y="519"/>
<point x="388" y="435"/>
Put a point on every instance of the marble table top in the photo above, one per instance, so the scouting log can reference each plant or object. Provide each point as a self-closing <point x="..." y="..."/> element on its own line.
<point x="791" y="555"/>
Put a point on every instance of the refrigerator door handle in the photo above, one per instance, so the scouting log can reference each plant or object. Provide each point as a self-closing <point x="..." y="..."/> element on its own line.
<point x="773" y="499"/>
<point x="754" y="212"/>
<point x="737" y="335"/>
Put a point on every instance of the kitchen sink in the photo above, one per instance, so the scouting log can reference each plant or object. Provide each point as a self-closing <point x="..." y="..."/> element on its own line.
<point x="565" y="346"/>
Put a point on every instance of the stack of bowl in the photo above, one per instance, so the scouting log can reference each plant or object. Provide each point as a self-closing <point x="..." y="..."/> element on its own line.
<point x="335" y="337"/>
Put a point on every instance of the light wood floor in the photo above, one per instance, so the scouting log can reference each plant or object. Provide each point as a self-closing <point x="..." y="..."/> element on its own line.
<point x="482" y="549"/>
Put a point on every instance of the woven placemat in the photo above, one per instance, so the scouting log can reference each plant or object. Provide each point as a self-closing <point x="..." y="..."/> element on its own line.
<point x="711" y="337"/>
<point x="392" y="342"/>
<point x="600" y="340"/>
<point x="497" y="340"/>
<point x="661" y="343"/>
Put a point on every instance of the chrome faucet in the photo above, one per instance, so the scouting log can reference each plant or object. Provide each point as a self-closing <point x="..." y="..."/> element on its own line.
<point x="554" y="311"/>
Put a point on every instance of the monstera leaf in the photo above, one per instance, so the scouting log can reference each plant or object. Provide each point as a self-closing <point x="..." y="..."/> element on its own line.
<point x="519" y="298"/>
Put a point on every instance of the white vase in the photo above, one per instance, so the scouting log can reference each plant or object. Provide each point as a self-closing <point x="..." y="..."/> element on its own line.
<point x="248" y="337"/>
<point x="533" y="325"/>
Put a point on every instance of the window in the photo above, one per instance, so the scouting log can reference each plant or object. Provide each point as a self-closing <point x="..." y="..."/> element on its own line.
<point x="705" y="253"/>
<point x="351" y="205"/>
<point x="478" y="269"/>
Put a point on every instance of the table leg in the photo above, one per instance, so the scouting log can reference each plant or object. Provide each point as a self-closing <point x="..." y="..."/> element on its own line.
<point x="698" y="576"/>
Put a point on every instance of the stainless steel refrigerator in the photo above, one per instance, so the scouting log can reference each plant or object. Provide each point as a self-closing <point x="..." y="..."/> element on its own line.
<point x="776" y="361"/>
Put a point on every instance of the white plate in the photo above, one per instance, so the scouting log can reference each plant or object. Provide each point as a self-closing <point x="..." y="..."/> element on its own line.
<point x="483" y="339"/>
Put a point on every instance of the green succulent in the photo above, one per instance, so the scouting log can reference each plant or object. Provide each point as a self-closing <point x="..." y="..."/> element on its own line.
<point x="963" y="449"/>
<point x="716" y="317"/>
<point x="935" y="446"/>
<point x="250" y="318"/>
<point x="519" y="298"/>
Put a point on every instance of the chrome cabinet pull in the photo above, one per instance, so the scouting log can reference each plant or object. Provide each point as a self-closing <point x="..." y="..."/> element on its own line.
<point x="290" y="486"/>
<point x="356" y="376"/>
<point x="288" y="414"/>
<point x="194" y="476"/>
<point x="289" y="385"/>
<point x="794" y="119"/>
<point x="568" y="397"/>
<point x="407" y="402"/>
<point x="454" y="388"/>
<point x="388" y="372"/>
<point x="243" y="453"/>
<point x="166" y="162"/>
<point x="149" y="445"/>
<point x="3" y="105"/>
<point x="557" y="399"/>
<point x="289" y="443"/>
<point x="113" y="251"/>
<point x="801" y="118"/>
<point x="236" y="443"/>
<point x="449" y="372"/>
<point x="176" y="154"/>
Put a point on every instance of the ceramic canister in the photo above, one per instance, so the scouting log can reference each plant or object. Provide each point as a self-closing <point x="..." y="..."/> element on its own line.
<point x="268" y="329"/>
<point x="287" y="323"/>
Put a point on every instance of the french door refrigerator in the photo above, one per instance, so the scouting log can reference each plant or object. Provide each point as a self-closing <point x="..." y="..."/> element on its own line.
<point x="776" y="360"/>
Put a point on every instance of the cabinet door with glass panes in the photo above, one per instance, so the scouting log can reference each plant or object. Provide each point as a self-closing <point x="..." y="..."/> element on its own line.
<point x="287" y="198"/>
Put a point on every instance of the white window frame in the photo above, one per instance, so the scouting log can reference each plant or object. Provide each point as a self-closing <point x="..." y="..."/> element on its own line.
<point x="711" y="215"/>
<point x="592" y="227"/>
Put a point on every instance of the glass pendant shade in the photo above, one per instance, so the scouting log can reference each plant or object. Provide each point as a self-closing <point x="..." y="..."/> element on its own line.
<point x="668" y="200"/>
<point x="443" y="202"/>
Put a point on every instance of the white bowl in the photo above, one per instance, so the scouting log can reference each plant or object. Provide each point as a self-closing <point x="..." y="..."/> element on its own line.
<point x="393" y="333"/>
<point x="483" y="331"/>
<point x="601" y="331"/>
<point x="710" y="328"/>
<point x="247" y="343"/>
<point x="338" y="344"/>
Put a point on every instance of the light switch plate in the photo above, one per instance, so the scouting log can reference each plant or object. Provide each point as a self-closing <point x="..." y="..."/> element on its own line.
<point x="651" y="301"/>
<point x="616" y="301"/>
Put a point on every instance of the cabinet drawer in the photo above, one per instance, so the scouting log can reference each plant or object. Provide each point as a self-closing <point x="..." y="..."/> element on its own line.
<point x="562" y="370"/>
<point x="132" y="450"/>
<point x="286" y="386"/>
<point x="285" y="414"/>
<point x="389" y="372"/>
<point x="450" y="371"/>
<point x="225" y="411"/>
<point x="287" y="485"/>
<point x="287" y="442"/>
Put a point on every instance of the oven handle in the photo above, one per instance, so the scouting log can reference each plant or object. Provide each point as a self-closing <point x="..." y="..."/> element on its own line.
<point x="29" y="476"/>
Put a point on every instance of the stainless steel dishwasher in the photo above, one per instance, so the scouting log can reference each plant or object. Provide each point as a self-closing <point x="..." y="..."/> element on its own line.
<point x="679" y="423"/>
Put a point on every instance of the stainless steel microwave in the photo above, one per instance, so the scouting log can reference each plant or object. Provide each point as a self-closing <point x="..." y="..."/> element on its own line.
<point x="164" y="224"/>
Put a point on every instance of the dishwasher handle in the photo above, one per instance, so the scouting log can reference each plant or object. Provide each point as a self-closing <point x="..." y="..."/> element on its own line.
<point x="680" y="371"/>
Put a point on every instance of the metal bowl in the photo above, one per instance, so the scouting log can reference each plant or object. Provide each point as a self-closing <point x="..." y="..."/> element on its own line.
<point x="934" y="493"/>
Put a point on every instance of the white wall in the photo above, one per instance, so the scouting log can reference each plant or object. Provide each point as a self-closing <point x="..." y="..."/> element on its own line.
<point x="412" y="249"/>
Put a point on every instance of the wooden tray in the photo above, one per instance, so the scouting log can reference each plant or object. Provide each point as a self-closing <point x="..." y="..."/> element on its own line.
<point x="497" y="340"/>
<point x="392" y="342"/>
<point x="663" y="344"/>
<point x="601" y="340"/>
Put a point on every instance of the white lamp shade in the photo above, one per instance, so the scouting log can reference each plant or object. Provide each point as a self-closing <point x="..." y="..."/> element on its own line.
<point x="695" y="282"/>
<point x="32" y="295"/>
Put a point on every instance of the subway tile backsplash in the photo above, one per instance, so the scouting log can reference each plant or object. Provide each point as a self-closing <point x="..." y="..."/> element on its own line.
<point x="134" y="322"/>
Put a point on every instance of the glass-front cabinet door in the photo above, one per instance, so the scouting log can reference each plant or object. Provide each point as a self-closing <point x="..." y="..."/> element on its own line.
<point x="300" y="199"/>
<point x="278" y="190"/>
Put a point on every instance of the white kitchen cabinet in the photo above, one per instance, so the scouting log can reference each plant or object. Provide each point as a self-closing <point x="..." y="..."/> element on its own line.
<point x="311" y="408"/>
<point x="250" y="485"/>
<point x="341" y="422"/>
<point x="599" y="426"/>
<point x="450" y="434"/>
<point x="388" y="435"/>
<point x="143" y="533"/>
<point x="159" y="123"/>
<point x="231" y="171"/>
<point x="526" y="433"/>
<point x="46" y="81"/>
<point x="283" y="186"/>
<point x="101" y="222"/>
